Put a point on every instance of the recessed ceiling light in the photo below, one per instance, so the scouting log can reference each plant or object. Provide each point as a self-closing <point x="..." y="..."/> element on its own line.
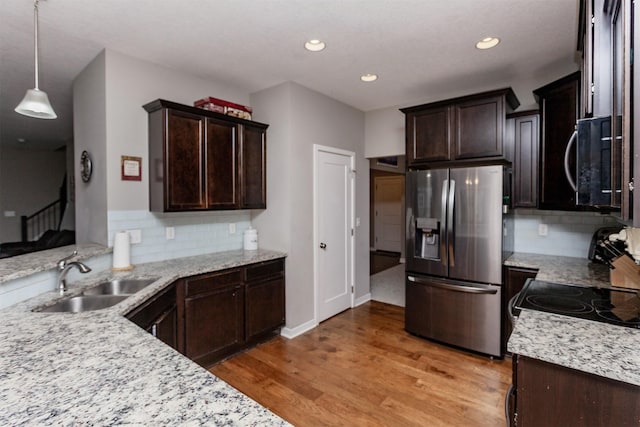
<point x="315" y="45"/>
<point x="369" y="77"/>
<point x="487" y="43"/>
<point x="22" y="140"/>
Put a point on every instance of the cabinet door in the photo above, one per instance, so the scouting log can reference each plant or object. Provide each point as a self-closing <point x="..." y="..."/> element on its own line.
<point x="213" y="316"/>
<point x="479" y="128"/>
<point x="514" y="280"/>
<point x="428" y="135"/>
<point x="264" y="306"/>
<point x="558" y="114"/>
<point x="184" y="175"/>
<point x="165" y="328"/>
<point x="221" y="164"/>
<point x="158" y="316"/>
<point x="551" y="395"/>
<point x="525" y="162"/>
<point x="253" y="168"/>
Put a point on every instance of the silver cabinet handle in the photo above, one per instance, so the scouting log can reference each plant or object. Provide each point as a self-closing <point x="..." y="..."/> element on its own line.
<point x="323" y="246"/>
<point x="567" y="172"/>
<point x="451" y="238"/>
<point x="452" y="287"/>
<point x="507" y="405"/>
<point x="511" y="306"/>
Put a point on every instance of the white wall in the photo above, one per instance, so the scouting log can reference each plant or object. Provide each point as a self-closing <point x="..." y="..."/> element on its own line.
<point x="109" y="123"/>
<point x="384" y="133"/>
<point x="300" y="118"/>
<point x="40" y="176"/>
<point x="131" y="83"/>
<point x="90" y="134"/>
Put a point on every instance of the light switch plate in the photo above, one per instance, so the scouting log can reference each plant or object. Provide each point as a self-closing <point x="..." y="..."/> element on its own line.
<point x="232" y="228"/>
<point x="543" y="229"/>
<point x="170" y="233"/>
<point x="135" y="236"/>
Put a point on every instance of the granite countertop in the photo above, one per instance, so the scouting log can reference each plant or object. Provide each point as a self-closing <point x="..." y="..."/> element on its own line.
<point x="598" y="348"/>
<point x="25" y="265"/>
<point x="562" y="269"/>
<point x="97" y="368"/>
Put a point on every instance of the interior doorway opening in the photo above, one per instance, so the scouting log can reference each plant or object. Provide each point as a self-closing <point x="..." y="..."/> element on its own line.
<point x="387" y="232"/>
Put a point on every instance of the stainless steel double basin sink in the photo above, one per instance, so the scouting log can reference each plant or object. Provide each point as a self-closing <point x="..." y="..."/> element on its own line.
<point x="103" y="295"/>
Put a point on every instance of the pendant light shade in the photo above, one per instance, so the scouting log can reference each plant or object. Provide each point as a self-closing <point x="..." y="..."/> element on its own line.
<point x="36" y="102"/>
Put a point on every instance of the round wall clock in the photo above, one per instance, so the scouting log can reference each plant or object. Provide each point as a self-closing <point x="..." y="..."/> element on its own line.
<point x="86" y="167"/>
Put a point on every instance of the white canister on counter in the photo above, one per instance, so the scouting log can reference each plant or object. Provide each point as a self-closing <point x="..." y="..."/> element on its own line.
<point x="250" y="239"/>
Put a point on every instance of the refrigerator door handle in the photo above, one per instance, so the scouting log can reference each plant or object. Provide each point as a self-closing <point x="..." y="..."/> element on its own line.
<point x="450" y="225"/>
<point x="451" y="287"/>
<point x="443" y="216"/>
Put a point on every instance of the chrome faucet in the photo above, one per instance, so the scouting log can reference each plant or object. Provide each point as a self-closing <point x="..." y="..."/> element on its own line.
<point x="64" y="266"/>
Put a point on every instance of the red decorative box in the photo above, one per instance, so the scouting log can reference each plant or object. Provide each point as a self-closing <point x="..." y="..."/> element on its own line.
<point x="224" y="107"/>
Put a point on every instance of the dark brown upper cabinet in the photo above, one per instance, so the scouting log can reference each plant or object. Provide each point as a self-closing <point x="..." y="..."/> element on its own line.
<point x="469" y="128"/>
<point x="202" y="160"/>
<point x="606" y="34"/>
<point x="522" y="146"/>
<point x="559" y="104"/>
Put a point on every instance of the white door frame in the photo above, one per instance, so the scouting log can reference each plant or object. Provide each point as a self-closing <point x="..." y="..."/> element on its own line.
<point x="316" y="240"/>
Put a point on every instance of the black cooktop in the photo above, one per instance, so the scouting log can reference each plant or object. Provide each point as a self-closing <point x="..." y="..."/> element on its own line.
<point x="602" y="305"/>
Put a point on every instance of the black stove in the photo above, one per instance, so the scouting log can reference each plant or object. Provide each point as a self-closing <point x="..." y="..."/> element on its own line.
<point x="613" y="306"/>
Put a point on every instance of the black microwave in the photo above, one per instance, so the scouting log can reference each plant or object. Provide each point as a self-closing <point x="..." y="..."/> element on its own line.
<point x="598" y="161"/>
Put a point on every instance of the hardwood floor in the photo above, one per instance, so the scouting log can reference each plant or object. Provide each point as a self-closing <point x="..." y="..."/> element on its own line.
<point x="360" y="368"/>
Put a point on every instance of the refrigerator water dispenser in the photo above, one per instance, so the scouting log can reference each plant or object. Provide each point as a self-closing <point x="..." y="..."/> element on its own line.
<point x="427" y="238"/>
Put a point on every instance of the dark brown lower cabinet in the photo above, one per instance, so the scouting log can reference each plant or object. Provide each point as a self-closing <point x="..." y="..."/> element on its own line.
<point x="264" y="303"/>
<point x="213" y="315"/>
<point x="550" y="395"/>
<point x="159" y="316"/>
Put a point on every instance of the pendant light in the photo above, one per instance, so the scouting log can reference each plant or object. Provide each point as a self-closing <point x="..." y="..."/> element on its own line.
<point x="36" y="102"/>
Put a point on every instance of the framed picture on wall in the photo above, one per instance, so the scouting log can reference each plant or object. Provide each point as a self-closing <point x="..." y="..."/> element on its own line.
<point x="391" y="161"/>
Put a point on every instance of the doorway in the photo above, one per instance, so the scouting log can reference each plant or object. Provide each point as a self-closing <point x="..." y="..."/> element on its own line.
<point x="387" y="230"/>
<point x="333" y="219"/>
<point x="387" y="204"/>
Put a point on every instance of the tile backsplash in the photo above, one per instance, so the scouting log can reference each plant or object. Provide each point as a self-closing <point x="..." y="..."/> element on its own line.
<point x="195" y="233"/>
<point x="568" y="233"/>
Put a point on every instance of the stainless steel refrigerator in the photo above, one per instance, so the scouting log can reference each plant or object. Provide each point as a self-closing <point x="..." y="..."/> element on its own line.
<point x="459" y="232"/>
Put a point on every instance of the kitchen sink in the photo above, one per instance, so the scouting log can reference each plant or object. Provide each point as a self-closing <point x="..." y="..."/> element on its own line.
<point x="119" y="287"/>
<point x="83" y="303"/>
<point x="100" y="296"/>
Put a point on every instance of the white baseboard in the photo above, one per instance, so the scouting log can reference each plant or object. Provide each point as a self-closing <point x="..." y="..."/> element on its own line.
<point x="362" y="299"/>
<point x="298" y="330"/>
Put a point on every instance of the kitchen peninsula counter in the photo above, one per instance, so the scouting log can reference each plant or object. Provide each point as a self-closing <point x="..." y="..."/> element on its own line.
<point x="594" y="347"/>
<point x="562" y="269"/>
<point x="97" y="368"/>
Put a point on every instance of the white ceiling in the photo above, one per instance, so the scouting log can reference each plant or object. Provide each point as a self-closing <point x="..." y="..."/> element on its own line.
<point x="422" y="50"/>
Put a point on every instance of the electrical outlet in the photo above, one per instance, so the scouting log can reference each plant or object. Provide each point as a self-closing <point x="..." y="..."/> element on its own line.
<point x="543" y="229"/>
<point x="171" y="233"/>
<point x="135" y="236"/>
<point x="232" y="228"/>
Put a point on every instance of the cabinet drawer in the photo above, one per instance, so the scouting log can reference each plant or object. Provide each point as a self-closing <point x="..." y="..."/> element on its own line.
<point x="209" y="282"/>
<point x="264" y="269"/>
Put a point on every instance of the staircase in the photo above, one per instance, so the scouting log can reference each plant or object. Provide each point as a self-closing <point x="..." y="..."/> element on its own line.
<point x="47" y="218"/>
